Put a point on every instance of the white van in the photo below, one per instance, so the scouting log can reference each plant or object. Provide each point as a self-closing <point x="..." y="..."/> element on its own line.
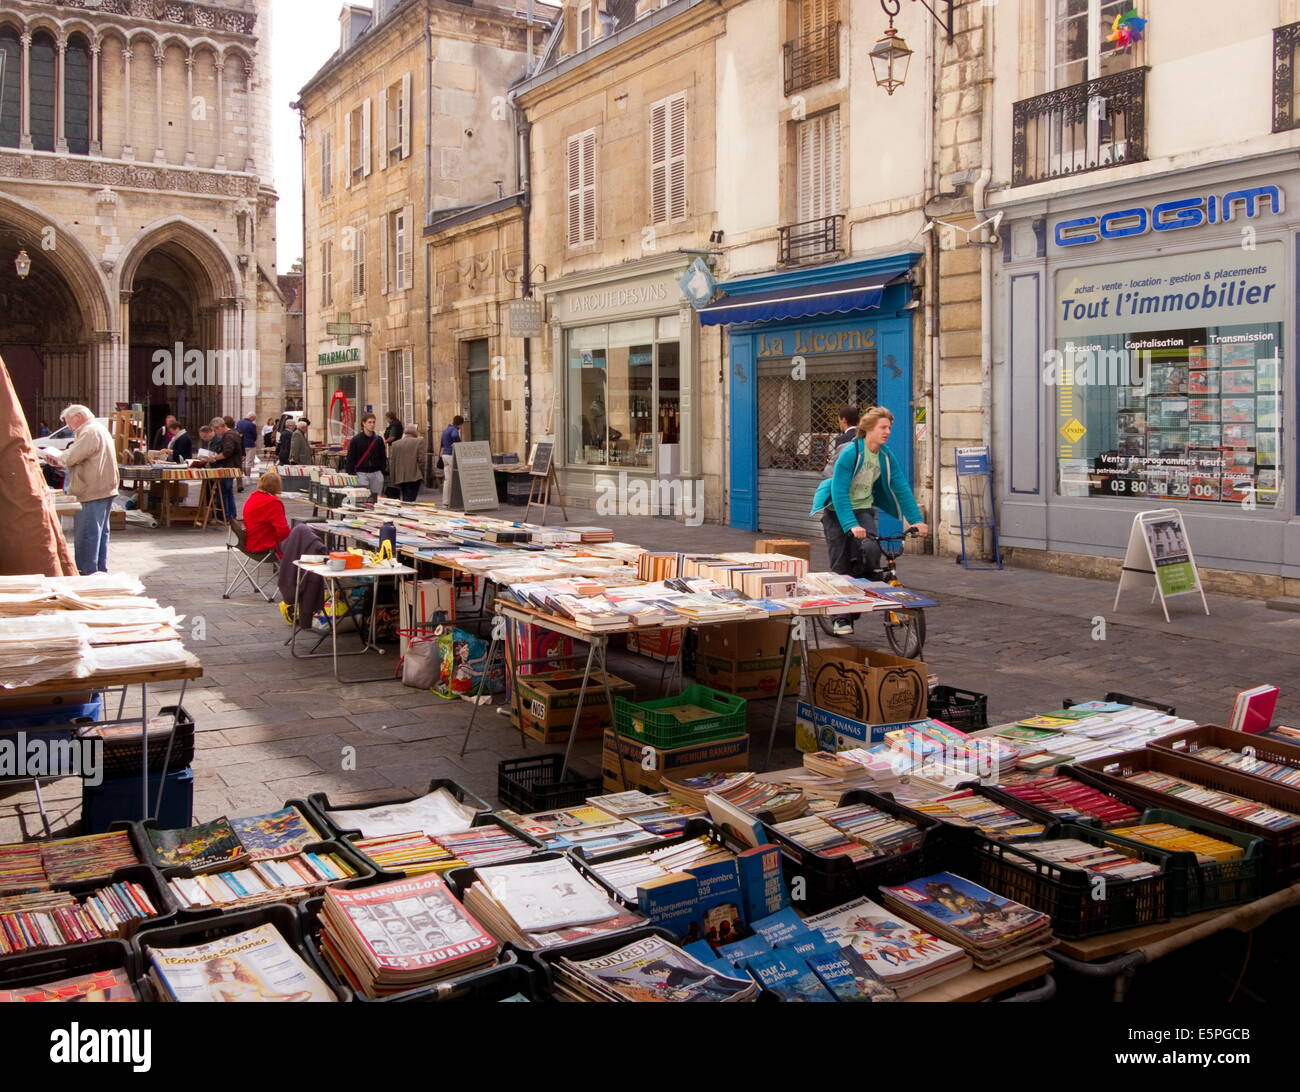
<point x="61" y="439"/>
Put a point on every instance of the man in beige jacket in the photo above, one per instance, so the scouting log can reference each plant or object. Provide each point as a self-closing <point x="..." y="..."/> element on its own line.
<point x="404" y="457"/>
<point x="91" y="463"/>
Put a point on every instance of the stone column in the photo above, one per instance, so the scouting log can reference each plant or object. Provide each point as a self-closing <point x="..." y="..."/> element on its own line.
<point x="128" y="152"/>
<point x="231" y="342"/>
<point x="189" y="110"/>
<point x="220" y="161"/>
<point x="25" y="92"/>
<point x="96" y="127"/>
<point x="159" y="156"/>
<point x="60" y="96"/>
<point x="112" y="384"/>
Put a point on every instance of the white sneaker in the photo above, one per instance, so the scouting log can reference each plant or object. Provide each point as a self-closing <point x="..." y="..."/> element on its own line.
<point x="842" y="627"/>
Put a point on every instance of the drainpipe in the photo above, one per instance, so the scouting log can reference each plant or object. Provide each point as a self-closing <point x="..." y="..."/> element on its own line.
<point x="428" y="260"/>
<point x="932" y="311"/>
<point x="526" y="280"/>
<point x="986" y="252"/>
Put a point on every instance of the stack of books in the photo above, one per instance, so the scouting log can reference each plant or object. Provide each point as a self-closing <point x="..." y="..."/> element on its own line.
<point x="857" y="831"/>
<point x="648" y="970"/>
<point x="905" y="958"/>
<point x="48" y="919"/>
<point x="1071" y="799"/>
<point x="37" y="866"/>
<point x="1247" y="764"/>
<point x="544" y="903"/>
<point x="992" y="929"/>
<point x="401" y="936"/>
<point x="741" y="790"/>
<point x="416" y="853"/>
<point x="255" y="965"/>
<point x="263" y="881"/>
<point x="1251" y="811"/>
<point x="434" y="813"/>
<point x="969" y="809"/>
<point x="590" y="829"/>
<point x="1078" y="855"/>
<point x="1208" y="850"/>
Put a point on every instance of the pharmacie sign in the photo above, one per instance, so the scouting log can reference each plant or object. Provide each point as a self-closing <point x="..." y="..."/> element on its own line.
<point x="1184" y="212"/>
<point x="339" y="356"/>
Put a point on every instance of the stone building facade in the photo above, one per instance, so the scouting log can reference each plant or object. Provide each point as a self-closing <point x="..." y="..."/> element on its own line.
<point x="409" y="119"/>
<point x="135" y="171"/>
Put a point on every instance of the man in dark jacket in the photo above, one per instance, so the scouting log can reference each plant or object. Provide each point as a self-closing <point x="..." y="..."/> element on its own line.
<point x="368" y="456"/>
<point x="246" y="426"/>
<point x="180" y="443"/>
<point x="229" y="450"/>
<point x="162" y="436"/>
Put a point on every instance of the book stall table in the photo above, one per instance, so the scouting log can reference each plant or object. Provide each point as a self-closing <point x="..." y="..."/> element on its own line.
<point x="15" y="697"/>
<point x="369" y="572"/>
<point x="1118" y="956"/>
<point x="164" y="483"/>
<point x="979" y="985"/>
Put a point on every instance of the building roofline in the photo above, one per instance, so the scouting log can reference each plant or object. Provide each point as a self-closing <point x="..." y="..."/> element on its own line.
<point x="467" y="214"/>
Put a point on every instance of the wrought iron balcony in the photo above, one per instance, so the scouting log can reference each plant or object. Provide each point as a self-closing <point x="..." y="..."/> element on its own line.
<point x="810" y="239"/>
<point x="1086" y="127"/>
<point x="1285" y="41"/>
<point x="812" y="59"/>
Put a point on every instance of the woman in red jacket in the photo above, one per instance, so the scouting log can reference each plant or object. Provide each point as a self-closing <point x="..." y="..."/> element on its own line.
<point x="264" y="518"/>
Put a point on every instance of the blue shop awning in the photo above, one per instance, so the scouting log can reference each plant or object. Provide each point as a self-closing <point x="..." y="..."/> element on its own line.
<point x="830" y="298"/>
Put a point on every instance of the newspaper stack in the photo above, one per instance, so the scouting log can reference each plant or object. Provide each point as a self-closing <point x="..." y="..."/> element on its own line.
<point x="36" y="650"/>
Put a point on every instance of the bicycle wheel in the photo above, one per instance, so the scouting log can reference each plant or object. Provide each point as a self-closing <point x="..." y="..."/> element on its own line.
<point x="905" y="632"/>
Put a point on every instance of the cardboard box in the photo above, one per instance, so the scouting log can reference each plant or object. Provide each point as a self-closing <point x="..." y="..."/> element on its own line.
<point x="657" y="644"/>
<point x="551" y="698"/>
<point x="744" y="640"/>
<point x="591" y="727"/>
<point x="791" y="547"/>
<point x="867" y="686"/>
<point x="627" y="764"/>
<point x="747" y="678"/>
<point x="116" y="519"/>
<point x="820" y="730"/>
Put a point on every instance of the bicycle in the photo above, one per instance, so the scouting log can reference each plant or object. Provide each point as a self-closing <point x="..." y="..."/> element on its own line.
<point x="905" y="627"/>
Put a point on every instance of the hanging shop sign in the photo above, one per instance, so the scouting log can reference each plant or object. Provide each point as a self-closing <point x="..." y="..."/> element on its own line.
<point x="1184" y="212"/>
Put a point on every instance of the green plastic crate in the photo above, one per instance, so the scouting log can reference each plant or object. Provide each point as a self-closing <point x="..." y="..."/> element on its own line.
<point x="649" y="722"/>
<point x="1194" y="887"/>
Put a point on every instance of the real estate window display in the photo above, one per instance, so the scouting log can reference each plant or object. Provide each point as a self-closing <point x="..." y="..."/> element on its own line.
<point x="623" y="393"/>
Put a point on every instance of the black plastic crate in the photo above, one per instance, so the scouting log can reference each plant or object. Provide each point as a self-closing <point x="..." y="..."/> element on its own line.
<point x="965" y="710"/>
<point x="318" y="803"/>
<point x="1079" y="906"/>
<point x="1128" y="699"/>
<point x="122" y="758"/>
<point x="1194" y="886"/>
<point x="45" y="965"/>
<point x="961" y="839"/>
<point x="827" y="881"/>
<point x="532" y="784"/>
<point x="366" y="875"/>
<point x="503" y="979"/>
<point x="283" y="916"/>
<point x="588" y="949"/>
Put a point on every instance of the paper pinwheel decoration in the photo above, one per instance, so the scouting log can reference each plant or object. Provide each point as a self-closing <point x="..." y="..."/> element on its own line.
<point x="1126" y="30"/>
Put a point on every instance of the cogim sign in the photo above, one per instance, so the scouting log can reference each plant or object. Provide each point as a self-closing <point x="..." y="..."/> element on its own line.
<point x="1186" y="212"/>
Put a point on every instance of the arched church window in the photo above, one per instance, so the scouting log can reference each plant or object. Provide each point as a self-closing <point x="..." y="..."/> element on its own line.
<point x="11" y="73"/>
<point x="42" y="85"/>
<point x="76" y="95"/>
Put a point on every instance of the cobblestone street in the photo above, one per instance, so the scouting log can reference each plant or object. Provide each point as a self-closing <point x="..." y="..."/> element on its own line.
<point x="273" y="728"/>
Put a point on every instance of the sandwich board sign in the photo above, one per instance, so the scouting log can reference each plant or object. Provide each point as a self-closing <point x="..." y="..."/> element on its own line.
<point x="475" y="483"/>
<point x="1159" y="553"/>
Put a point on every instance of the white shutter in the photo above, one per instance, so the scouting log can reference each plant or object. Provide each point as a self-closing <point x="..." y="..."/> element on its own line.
<point x="408" y="231"/>
<point x="406" y="115"/>
<point x="818" y="153"/>
<point x="677" y="157"/>
<point x="365" y="138"/>
<point x="347" y="149"/>
<point x="383" y="406"/>
<point x="385" y="244"/>
<point x="831" y="192"/>
<point x="399" y="250"/>
<point x="381" y="122"/>
<point x="408" y="386"/>
<point x="359" y="262"/>
<point x="659" y="162"/>
<point x="574" y="189"/>
<point x="589" y="186"/>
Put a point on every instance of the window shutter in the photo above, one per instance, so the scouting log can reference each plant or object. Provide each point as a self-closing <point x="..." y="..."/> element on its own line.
<point x="365" y="138"/>
<point x="408" y="232"/>
<point x="589" y="186"/>
<point x="406" y="115"/>
<point x="677" y="157"/>
<point x="385" y="244"/>
<point x="408" y="385"/>
<point x="805" y="154"/>
<point x="574" y="190"/>
<point x="384" y="404"/>
<point x="347" y="149"/>
<point x="359" y="262"/>
<point x="381" y="123"/>
<point x="831" y="193"/>
<point x="659" y="162"/>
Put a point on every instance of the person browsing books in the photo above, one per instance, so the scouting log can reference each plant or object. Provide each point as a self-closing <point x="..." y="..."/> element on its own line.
<point x="865" y="478"/>
<point x="368" y="456"/>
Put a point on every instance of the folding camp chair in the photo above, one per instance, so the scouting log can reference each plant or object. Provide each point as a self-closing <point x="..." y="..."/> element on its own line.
<point x="250" y="564"/>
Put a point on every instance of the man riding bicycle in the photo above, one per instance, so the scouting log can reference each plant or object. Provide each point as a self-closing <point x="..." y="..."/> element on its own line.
<point x="865" y="477"/>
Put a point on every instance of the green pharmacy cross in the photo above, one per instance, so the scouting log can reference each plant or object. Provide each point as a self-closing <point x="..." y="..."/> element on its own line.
<point x="344" y="328"/>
